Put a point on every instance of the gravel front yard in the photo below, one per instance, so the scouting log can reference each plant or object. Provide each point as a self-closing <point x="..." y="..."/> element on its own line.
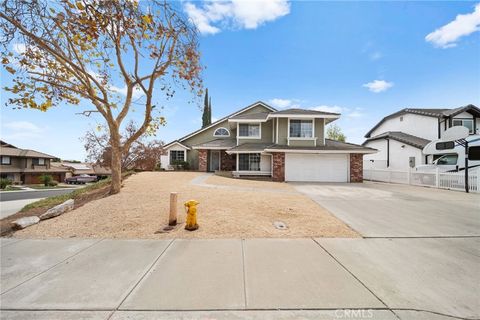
<point x="142" y="208"/>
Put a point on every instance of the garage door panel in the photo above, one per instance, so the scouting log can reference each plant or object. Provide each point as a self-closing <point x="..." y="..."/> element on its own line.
<point x="316" y="167"/>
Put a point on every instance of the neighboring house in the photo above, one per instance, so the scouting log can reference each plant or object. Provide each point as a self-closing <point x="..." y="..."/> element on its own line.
<point x="79" y="168"/>
<point x="401" y="136"/>
<point x="24" y="166"/>
<point x="288" y="145"/>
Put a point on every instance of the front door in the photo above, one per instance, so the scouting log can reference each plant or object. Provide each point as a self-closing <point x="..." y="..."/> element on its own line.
<point x="214" y="160"/>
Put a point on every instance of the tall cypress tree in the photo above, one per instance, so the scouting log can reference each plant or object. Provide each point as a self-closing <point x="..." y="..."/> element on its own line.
<point x="205" y="117"/>
<point x="209" y="110"/>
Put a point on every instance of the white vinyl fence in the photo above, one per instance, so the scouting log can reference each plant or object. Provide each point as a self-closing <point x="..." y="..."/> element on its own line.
<point x="436" y="179"/>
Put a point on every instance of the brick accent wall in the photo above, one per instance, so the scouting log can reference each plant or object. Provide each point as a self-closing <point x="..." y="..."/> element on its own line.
<point x="278" y="170"/>
<point x="202" y="160"/>
<point x="227" y="162"/>
<point x="356" y="167"/>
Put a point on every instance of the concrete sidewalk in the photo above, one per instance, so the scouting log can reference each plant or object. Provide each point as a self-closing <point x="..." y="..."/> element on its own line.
<point x="240" y="279"/>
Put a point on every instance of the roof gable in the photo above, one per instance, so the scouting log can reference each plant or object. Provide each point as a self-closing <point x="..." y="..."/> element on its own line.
<point x="435" y="113"/>
<point x="261" y="104"/>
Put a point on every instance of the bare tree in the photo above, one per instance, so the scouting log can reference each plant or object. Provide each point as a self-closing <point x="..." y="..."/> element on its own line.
<point x="102" y="51"/>
<point x="142" y="154"/>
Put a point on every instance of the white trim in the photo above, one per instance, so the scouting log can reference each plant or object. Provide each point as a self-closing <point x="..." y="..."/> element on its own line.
<point x="228" y="117"/>
<point x="318" y="151"/>
<point x="216" y="135"/>
<point x="236" y="167"/>
<point x="238" y="129"/>
<point x="252" y="173"/>
<point x="303" y="116"/>
<point x="247" y="120"/>
<point x="210" y="148"/>
<point x="246" y="151"/>
<point x="276" y="120"/>
<point x="273" y="132"/>
<point x="177" y="143"/>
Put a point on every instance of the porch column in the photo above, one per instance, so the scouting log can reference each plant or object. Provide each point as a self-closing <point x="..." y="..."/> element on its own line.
<point x="356" y="167"/>
<point x="278" y="169"/>
<point x="202" y="160"/>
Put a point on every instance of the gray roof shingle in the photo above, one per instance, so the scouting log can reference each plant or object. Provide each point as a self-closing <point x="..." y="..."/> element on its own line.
<point x="303" y="112"/>
<point x="401" y="137"/>
<point x="251" y="116"/>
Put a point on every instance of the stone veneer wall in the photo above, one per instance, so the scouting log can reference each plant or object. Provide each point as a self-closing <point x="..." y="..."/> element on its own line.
<point x="356" y="167"/>
<point x="278" y="170"/>
<point x="202" y="160"/>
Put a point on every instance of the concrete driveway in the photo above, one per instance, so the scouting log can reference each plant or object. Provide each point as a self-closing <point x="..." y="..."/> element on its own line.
<point x="390" y="210"/>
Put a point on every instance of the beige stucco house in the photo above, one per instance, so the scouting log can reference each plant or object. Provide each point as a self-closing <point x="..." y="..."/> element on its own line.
<point x="24" y="166"/>
<point x="258" y="140"/>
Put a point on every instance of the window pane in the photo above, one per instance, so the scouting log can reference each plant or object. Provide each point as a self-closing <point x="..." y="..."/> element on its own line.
<point x="254" y="161"/>
<point x="243" y="130"/>
<point x="457" y="122"/>
<point x="469" y="125"/>
<point x="243" y="162"/>
<point x="5" y="160"/>
<point x="41" y="161"/>
<point x="176" y="155"/>
<point x="301" y="128"/>
<point x="253" y="130"/>
<point x="221" y="132"/>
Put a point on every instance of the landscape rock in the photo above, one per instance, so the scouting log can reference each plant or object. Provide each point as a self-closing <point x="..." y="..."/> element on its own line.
<point x="25" y="222"/>
<point x="58" y="210"/>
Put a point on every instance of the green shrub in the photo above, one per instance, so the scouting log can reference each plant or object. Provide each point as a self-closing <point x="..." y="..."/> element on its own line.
<point x="4" y="183"/>
<point x="46" y="179"/>
<point x="181" y="165"/>
<point x="53" y="183"/>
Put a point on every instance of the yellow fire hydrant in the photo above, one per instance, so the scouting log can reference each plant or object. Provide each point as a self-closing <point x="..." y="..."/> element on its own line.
<point x="191" y="207"/>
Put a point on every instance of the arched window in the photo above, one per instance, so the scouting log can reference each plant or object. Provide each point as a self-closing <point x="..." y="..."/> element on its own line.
<point x="221" y="132"/>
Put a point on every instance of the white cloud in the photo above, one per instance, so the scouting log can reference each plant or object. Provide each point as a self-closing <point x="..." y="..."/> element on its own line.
<point x="378" y="85"/>
<point x="21" y="130"/>
<point x="348" y="112"/>
<point x="333" y="109"/>
<point x="375" y="55"/>
<point x="23" y="126"/>
<point x="244" y="14"/>
<point x="463" y="25"/>
<point x="137" y="92"/>
<point x="283" y="103"/>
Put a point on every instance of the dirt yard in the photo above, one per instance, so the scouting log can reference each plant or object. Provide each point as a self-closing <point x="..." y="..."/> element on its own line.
<point x="141" y="210"/>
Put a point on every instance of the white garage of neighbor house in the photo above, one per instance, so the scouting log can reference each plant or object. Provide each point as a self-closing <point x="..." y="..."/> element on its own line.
<point x="287" y="145"/>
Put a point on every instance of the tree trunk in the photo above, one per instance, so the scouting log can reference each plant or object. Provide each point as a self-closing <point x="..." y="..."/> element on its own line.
<point x="116" y="165"/>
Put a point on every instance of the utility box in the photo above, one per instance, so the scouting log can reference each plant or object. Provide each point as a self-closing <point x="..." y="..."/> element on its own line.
<point x="411" y="162"/>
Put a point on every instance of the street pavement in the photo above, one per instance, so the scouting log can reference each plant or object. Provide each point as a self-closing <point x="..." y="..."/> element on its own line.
<point x="32" y="194"/>
<point x="7" y="208"/>
<point x="432" y="278"/>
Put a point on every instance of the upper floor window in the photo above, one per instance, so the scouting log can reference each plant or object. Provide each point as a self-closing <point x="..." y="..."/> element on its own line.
<point x="249" y="130"/>
<point x="301" y="128"/>
<point x="221" y="132"/>
<point x="38" y="161"/>
<point x="464" y="122"/>
<point x="6" y="160"/>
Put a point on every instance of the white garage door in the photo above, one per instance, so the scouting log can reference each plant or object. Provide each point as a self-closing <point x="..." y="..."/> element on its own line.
<point x="316" y="167"/>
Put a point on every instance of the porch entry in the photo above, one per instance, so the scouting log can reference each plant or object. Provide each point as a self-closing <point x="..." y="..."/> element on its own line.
<point x="214" y="160"/>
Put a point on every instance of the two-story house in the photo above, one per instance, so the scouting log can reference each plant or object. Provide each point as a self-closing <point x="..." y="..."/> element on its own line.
<point x="287" y="145"/>
<point x="401" y="136"/>
<point x="24" y="166"/>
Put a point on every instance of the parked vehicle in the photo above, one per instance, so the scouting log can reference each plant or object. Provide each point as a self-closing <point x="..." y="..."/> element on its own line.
<point x="81" y="179"/>
<point x="450" y="156"/>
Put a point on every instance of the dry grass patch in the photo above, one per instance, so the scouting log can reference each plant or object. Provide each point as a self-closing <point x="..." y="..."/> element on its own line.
<point x="141" y="209"/>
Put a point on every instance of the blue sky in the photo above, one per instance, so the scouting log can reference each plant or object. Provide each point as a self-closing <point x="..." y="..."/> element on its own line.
<point x="363" y="59"/>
